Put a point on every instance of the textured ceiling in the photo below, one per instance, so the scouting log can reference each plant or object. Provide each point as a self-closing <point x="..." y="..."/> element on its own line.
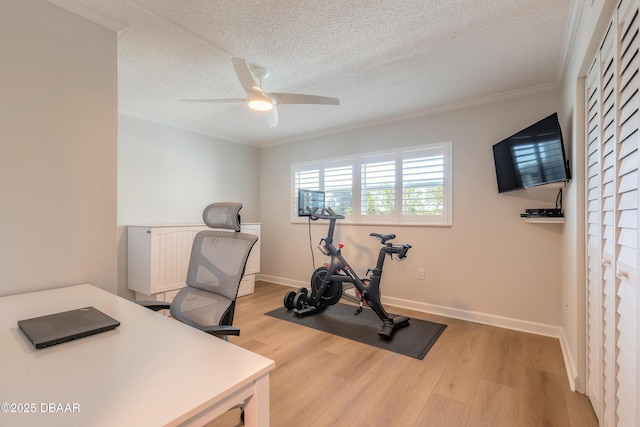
<point x="383" y="59"/>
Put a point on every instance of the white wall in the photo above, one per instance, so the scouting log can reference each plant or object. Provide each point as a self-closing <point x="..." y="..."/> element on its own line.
<point x="58" y="120"/>
<point x="593" y="22"/>
<point x="168" y="176"/>
<point x="490" y="261"/>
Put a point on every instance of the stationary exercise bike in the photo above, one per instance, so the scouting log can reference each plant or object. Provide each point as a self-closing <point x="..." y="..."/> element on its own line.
<point x="327" y="282"/>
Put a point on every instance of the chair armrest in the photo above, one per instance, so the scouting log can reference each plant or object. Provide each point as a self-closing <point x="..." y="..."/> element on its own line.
<point x="155" y="305"/>
<point x="221" y="330"/>
<point x="217" y="330"/>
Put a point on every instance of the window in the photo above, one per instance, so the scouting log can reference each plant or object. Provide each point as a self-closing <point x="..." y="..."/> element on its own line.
<point x="378" y="187"/>
<point x="338" y="187"/>
<point x="334" y="177"/>
<point x="409" y="186"/>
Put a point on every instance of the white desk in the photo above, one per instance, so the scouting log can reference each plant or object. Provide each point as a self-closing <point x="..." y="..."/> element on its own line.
<point x="150" y="371"/>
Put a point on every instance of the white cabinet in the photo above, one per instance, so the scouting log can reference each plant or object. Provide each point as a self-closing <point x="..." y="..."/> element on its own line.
<point x="158" y="259"/>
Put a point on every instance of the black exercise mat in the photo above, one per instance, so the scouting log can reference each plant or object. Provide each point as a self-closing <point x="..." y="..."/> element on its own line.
<point x="414" y="340"/>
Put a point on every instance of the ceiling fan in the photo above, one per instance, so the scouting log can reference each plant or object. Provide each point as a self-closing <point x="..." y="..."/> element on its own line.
<point x="261" y="101"/>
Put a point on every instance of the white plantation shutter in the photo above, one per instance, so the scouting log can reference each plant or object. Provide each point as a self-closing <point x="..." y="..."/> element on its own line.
<point x="303" y="177"/>
<point x="334" y="177"/>
<point x="338" y="187"/>
<point x="594" y="251"/>
<point x="378" y="187"/>
<point x="410" y="186"/>
<point x="627" y="367"/>
<point x="613" y="120"/>
<point x="607" y="179"/>
<point x="425" y="185"/>
<point x="307" y="179"/>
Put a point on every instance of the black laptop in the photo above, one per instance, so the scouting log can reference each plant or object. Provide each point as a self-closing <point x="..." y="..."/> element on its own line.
<point x="45" y="331"/>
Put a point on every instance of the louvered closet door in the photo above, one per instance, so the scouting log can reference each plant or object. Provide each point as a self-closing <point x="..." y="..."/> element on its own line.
<point x="594" y="251"/>
<point x="607" y="212"/>
<point x="627" y="215"/>
<point x="613" y="118"/>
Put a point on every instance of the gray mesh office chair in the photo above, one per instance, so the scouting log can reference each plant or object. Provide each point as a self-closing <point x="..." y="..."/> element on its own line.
<point x="217" y="263"/>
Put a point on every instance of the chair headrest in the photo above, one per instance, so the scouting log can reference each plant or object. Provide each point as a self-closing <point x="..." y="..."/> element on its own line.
<point x="223" y="215"/>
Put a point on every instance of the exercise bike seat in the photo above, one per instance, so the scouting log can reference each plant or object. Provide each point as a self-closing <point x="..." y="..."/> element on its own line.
<point x="383" y="237"/>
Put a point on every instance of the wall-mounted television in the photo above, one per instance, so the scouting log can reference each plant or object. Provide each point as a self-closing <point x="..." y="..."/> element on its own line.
<point x="532" y="157"/>
<point x="310" y="202"/>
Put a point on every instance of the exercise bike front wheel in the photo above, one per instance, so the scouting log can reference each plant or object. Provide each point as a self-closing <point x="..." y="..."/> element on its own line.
<point x="300" y="300"/>
<point x="291" y="299"/>
<point x="288" y="300"/>
<point x="333" y="291"/>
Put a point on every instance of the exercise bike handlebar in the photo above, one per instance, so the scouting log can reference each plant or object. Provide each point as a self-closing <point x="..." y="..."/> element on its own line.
<point x="399" y="250"/>
<point x="403" y="252"/>
<point x="325" y="213"/>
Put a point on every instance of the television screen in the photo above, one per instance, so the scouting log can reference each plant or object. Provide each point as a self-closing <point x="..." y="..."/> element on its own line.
<point x="534" y="156"/>
<point x="311" y="199"/>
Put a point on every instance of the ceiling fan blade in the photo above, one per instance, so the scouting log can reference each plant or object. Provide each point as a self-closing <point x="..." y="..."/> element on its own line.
<point x="272" y="117"/>
<point x="298" y="98"/>
<point x="264" y="102"/>
<point x="212" y="101"/>
<point x="244" y="75"/>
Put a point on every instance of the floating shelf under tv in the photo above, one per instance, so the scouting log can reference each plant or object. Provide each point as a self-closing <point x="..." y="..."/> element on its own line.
<point x="552" y="220"/>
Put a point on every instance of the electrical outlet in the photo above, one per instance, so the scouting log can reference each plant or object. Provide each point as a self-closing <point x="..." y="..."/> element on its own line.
<point x="420" y="274"/>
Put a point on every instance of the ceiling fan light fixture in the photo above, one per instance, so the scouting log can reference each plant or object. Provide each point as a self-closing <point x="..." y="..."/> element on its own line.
<point x="260" y="103"/>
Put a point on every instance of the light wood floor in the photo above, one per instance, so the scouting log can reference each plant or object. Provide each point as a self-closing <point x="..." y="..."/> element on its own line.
<point x="474" y="375"/>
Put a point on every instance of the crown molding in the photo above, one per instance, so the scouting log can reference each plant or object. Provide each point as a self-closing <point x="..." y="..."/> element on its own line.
<point x="90" y="14"/>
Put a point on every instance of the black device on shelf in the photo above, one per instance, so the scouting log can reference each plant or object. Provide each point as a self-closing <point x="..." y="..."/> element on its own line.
<point x="532" y="157"/>
<point x="542" y="213"/>
<point x="556" y="212"/>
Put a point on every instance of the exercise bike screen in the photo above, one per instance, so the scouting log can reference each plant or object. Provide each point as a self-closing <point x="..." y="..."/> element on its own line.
<point x="312" y="199"/>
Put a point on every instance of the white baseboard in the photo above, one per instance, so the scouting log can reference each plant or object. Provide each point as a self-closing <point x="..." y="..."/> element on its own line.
<point x="471" y="316"/>
<point x="456" y="313"/>
<point x="569" y="362"/>
<point x="282" y="281"/>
